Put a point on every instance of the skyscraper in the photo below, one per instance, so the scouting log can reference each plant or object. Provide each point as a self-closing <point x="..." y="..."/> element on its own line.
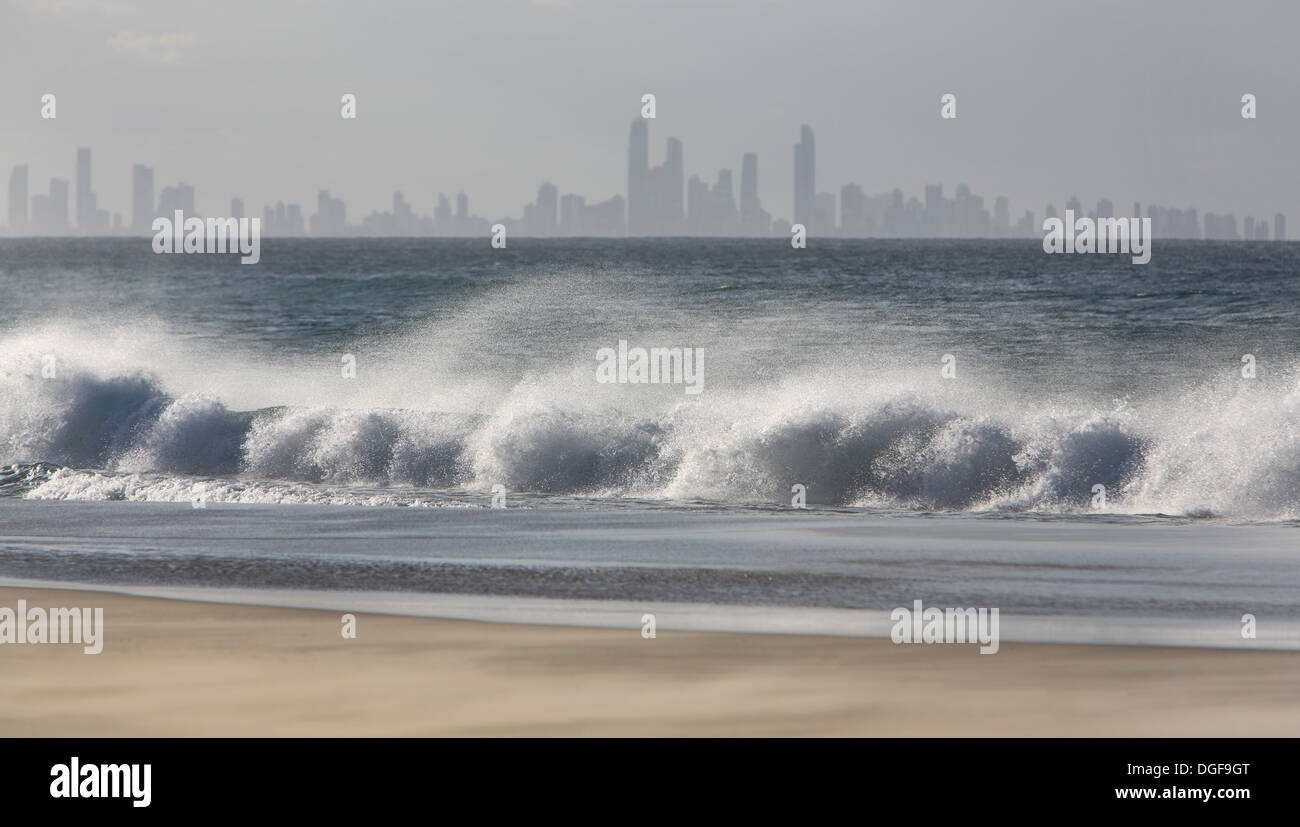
<point x="59" y="204"/>
<point x="853" y="211"/>
<point x="572" y="209"/>
<point x="90" y="219"/>
<point x="638" y="173"/>
<point x="142" y="213"/>
<point x="85" y="206"/>
<point x="1001" y="217"/>
<point x="1279" y="227"/>
<point x="670" y="188"/>
<point x="938" y="211"/>
<point x="547" y="209"/>
<point x="50" y="212"/>
<point x="1105" y="209"/>
<point x="18" y="200"/>
<point x="805" y="183"/>
<point x="662" y="191"/>
<point x="442" y="215"/>
<point x="754" y="220"/>
<point x="726" y="218"/>
<point x="697" y="197"/>
<point x="293" y="217"/>
<point x="330" y="217"/>
<point x="179" y="197"/>
<point x="749" y="206"/>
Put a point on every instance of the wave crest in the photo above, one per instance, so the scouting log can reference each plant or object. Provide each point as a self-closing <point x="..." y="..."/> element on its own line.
<point x="1229" y="450"/>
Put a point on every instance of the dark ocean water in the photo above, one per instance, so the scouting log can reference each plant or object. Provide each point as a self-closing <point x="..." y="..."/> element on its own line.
<point x="822" y="367"/>
<point x="134" y="385"/>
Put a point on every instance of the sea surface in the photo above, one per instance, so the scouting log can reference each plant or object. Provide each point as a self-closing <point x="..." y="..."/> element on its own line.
<point x="1106" y="452"/>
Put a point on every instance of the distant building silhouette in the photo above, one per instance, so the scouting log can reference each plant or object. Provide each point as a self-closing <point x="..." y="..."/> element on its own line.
<point x="725" y="218"/>
<point x="50" y="212"/>
<point x="1073" y="204"/>
<point x="1001" y="217"/>
<point x="1169" y="222"/>
<point x="1026" y="227"/>
<point x="571" y="214"/>
<point x="754" y="220"/>
<point x="655" y="196"/>
<point x="142" y="212"/>
<point x="1219" y="227"/>
<point x="402" y="221"/>
<point x="660" y="201"/>
<point x="638" y="178"/>
<point x="18" y="200"/>
<point x="548" y="214"/>
<point x="85" y="202"/>
<point x="578" y="218"/>
<point x="179" y="197"/>
<point x="90" y="219"/>
<point x="805" y="179"/>
<point x="972" y="219"/>
<point x="854" y="220"/>
<point x="330" y="217"/>
<point x="697" y="201"/>
<point x="938" y="214"/>
<point x="666" y="192"/>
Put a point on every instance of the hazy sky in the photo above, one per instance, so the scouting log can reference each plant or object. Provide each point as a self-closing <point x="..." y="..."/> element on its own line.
<point x="1127" y="100"/>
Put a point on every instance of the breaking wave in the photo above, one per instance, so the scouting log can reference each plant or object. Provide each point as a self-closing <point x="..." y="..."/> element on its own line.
<point x="92" y="431"/>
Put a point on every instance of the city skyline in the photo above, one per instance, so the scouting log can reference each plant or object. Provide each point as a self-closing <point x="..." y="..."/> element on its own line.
<point x="478" y="98"/>
<point x="660" y="201"/>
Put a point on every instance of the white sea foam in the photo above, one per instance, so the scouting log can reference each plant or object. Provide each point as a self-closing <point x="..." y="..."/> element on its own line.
<point x="150" y="408"/>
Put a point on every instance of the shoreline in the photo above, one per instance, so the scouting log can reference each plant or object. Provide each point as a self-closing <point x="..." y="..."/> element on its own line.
<point x="813" y="621"/>
<point x="184" y="668"/>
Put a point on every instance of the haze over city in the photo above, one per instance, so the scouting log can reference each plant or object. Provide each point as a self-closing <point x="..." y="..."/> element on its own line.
<point x="660" y="201"/>
<point x="236" y="107"/>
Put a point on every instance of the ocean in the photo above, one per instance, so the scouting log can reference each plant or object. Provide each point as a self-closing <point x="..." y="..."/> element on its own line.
<point x="1105" y="452"/>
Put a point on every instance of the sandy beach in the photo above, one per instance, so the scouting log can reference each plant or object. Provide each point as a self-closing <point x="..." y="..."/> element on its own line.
<point x="173" y="668"/>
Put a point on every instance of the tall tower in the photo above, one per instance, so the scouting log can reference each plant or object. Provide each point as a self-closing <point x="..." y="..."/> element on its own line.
<point x="748" y="186"/>
<point x="85" y="206"/>
<point x="547" y="209"/>
<point x="805" y="184"/>
<point x="638" y="173"/>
